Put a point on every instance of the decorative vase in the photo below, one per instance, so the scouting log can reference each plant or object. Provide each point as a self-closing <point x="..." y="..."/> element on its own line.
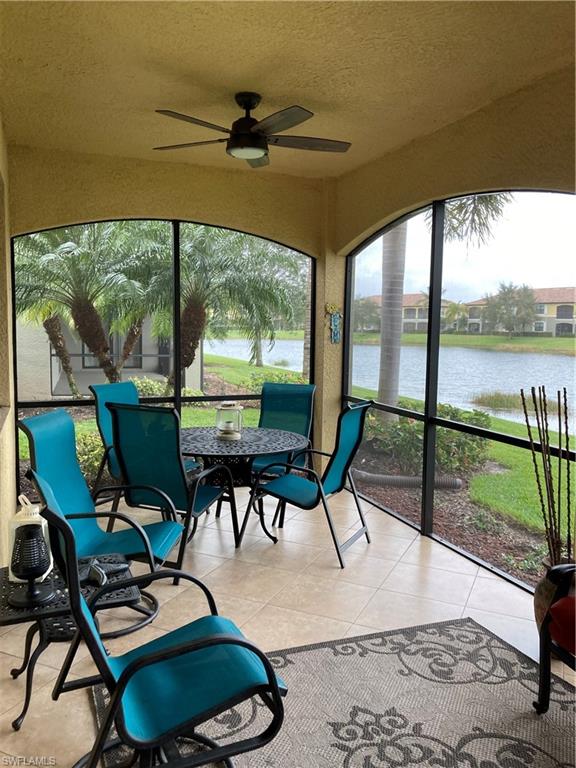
<point x="544" y="594"/>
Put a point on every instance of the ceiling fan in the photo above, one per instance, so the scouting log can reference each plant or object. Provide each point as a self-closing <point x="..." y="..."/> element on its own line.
<point x="249" y="139"/>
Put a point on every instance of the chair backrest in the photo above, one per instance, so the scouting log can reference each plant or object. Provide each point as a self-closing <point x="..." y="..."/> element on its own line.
<point x="63" y="546"/>
<point x="122" y="392"/>
<point x="147" y="443"/>
<point x="52" y="442"/>
<point x="348" y="439"/>
<point x="287" y="406"/>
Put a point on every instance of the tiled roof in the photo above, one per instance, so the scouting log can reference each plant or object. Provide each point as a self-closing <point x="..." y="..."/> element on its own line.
<point x="543" y="296"/>
<point x="408" y="300"/>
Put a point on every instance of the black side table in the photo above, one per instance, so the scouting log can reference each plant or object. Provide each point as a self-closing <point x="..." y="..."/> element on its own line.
<point x="54" y="623"/>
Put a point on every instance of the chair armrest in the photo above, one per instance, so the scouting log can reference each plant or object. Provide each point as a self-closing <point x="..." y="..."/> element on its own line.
<point x="192" y="647"/>
<point x="211" y="471"/>
<point x="312" y="450"/>
<point x="126" y="519"/>
<point x="306" y="470"/>
<point x="149" y="488"/>
<point x="144" y="580"/>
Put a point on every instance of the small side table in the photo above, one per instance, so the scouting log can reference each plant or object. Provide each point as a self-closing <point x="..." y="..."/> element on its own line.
<point x="53" y="622"/>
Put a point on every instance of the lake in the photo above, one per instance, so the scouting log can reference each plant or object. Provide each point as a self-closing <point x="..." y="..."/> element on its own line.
<point x="463" y="372"/>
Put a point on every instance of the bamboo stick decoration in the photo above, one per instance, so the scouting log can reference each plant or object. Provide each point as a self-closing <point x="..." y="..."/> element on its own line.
<point x="550" y="484"/>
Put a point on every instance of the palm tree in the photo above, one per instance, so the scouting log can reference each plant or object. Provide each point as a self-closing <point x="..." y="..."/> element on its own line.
<point x="469" y="219"/>
<point x="226" y="278"/>
<point x="456" y="314"/>
<point x="79" y="270"/>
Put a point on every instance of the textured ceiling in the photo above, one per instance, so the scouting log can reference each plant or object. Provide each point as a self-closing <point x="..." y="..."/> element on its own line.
<point x="87" y="76"/>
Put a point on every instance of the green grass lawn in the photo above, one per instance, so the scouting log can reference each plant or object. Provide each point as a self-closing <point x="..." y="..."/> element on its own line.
<point x="238" y="372"/>
<point x="548" y="345"/>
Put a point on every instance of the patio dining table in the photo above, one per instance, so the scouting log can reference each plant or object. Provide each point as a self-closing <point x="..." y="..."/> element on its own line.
<point x="237" y="455"/>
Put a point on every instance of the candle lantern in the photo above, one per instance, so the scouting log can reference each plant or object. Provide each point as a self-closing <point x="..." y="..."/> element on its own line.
<point x="229" y="420"/>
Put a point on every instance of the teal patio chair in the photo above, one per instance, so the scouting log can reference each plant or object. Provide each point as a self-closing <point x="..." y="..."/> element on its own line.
<point x="309" y="491"/>
<point x="126" y="393"/>
<point x="147" y="444"/>
<point x="53" y="458"/>
<point x="163" y="691"/>
<point x="289" y="407"/>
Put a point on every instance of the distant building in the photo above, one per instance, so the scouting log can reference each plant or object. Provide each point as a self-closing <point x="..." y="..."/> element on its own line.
<point x="414" y="311"/>
<point x="554" y="312"/>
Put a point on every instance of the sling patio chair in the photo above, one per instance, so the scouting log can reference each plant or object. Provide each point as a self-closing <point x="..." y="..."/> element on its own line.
<point x="147" y="444"/>
<point x="53" y="458"/>
<point x="164" y="690"/>
<point x="124" y="392"/>
<point x="310" y="491"/>
<point x="289" y="407"/>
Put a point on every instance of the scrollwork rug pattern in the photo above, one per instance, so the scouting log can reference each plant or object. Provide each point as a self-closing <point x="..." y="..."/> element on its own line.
<point x="451" y="695"/>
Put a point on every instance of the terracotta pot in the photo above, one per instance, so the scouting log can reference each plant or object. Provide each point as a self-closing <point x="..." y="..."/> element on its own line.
<point x="543" y="595"/>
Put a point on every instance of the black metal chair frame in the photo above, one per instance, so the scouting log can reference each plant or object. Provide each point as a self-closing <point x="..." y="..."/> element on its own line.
<point x="259" y="491"/>
<point x="190" y="518"/>
<point x="561" y="576"/>
<point x="150" y="753"/>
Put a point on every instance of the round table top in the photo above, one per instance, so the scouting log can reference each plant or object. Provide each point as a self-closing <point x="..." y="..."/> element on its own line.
<point x="255" y="441"/>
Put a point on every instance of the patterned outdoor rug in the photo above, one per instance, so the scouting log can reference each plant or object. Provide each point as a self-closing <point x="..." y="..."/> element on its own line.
<point x="450" y="694"/>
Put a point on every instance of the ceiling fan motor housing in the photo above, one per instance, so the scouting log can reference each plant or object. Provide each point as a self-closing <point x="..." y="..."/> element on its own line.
<point x="244" y="144"/>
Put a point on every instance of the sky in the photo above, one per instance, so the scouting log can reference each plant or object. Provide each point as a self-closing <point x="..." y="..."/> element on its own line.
<point x="534" y="243"/>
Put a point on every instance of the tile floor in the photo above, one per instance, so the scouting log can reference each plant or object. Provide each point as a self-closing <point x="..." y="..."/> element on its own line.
<point x="281" y="595"/>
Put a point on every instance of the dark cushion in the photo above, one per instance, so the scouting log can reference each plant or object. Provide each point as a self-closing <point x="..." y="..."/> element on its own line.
<point x="562" y="626"/>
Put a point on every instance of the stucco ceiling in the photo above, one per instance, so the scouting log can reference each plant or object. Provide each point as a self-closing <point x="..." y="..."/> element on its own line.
<point x="87" y="76"/>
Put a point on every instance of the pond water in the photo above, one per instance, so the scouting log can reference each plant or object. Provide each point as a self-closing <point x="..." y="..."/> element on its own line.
<point x="463" y="373"/>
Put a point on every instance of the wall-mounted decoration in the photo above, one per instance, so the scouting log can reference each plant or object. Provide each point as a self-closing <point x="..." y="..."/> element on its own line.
<point x="334" y="314"/>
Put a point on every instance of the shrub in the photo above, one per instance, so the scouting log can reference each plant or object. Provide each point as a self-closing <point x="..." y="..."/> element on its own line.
<point x="159" y="388"/>
<point x="256" y="380"/>
<point x="402" y="441"/>
<point x="90" y="451"/>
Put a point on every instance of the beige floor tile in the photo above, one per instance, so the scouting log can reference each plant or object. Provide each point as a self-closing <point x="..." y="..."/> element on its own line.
<point x="275" y="628"/>
<point x="191" y="604"/>
<point x="425" y="552"/>
<point x="63" y="729"/>
<point x="12" y="691"/>
<point x="379" y="521"/>
<point x="355" y="630"/>
<point x="521" y="633"/>
<point x="199" y="565"/>
<point x="381" y="545"/>
<point x="359" y="569"/>
<point x="569" y="675"/>
<point x="324" y="597"/>
<point x="284" y="555"/>
<point x="315" y="534"/>
<point x="342" y="516"/>
<point x="499" y="596"/>
<point x="431" y="583"/>
<point x="53" y="656"/>
<point x="393" y="610"/>
<point x="218" y="543"/>
<point x="254" y="582"/>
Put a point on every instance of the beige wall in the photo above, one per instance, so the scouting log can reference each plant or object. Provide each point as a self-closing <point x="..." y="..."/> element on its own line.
<point x="522" y="141"/>
<point x="55" y="188"/>
<point x="7" y="462"/>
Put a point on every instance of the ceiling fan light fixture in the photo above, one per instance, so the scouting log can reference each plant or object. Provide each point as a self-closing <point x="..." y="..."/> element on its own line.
<point x="250" y="146"/>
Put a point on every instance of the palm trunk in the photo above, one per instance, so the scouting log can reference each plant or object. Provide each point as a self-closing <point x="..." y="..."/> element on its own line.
<point x="192" y="325"/>
<point x="90" y="329"/>
<point x="134" y="333"/>
<point x="393" y="262"/>
<point x="53" y="328"/>
<point x="257" y="350"/>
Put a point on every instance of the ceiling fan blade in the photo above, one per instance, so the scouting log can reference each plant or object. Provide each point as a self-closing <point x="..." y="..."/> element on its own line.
<point x="281" y="121"/>
<point x="192" y="144"/>
<point x="259" y="162"/>
<point x="188" y="119"/>
<point x="309" y="142"/>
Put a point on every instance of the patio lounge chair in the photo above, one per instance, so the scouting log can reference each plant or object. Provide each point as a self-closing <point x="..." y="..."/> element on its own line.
<point x="307" y="492"/>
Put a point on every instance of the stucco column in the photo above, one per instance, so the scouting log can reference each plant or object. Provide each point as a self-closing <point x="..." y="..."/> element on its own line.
<point x="330" y="279"/>
<point x="7" y="458"/>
